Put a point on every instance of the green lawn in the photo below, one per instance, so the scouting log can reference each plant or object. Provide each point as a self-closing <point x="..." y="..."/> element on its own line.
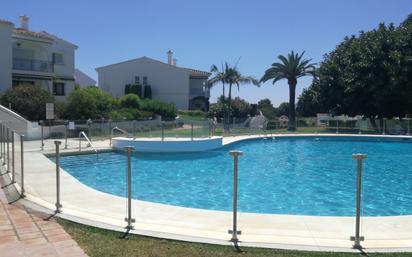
<point x="103" y="243"/>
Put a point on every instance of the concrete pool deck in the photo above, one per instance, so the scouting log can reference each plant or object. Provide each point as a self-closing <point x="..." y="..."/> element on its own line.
<point x="319" y="233"/>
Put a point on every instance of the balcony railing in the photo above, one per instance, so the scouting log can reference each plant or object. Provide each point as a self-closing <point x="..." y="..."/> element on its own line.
<point x="32" y="65"/>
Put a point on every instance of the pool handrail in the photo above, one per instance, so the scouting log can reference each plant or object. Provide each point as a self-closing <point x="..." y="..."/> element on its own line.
<point x="118" y="129"/>
<point x="88" y="141"/>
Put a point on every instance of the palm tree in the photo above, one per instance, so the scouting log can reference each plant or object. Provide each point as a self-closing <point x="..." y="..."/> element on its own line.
<point x="219" y="77"/>
<point x="291" y="68"/>
<point x="234" y="77"/>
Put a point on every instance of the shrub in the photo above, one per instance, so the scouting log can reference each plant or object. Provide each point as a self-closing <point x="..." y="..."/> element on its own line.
<point x="124" y="114"/>
<point x="130" y="101"/>
<point x="193" y="113"/>
<point x="166" y="110"/>
<point x="133" y="89"/>
<point x="130" y="114"/>
<point x="90" y="102"/>
<point x="147" y="92"/>
<point x="28" y="101"/>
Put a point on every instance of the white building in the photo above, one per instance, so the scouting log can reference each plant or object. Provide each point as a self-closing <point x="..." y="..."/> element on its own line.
<point x="169" y="83"/>
<point x="35" y="58"/>
<point x="82" y="79"/>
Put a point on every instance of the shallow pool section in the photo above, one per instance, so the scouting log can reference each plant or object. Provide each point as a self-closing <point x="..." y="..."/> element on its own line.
<point x="302" y="176"/>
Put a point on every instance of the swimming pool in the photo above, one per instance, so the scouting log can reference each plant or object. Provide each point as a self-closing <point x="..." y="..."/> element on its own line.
<point x="301" y="176"/>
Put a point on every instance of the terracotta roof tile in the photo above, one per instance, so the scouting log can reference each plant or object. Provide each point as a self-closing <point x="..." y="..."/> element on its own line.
<point x="7" y="22"/>
<point x="197" y="73"/>
<point x="29" y="33"/>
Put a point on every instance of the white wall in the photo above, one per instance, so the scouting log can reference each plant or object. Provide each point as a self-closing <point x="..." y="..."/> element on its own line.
<point x="5" y="56"/>
<point x="67" y="68"/>
<point x="169" y="84"/>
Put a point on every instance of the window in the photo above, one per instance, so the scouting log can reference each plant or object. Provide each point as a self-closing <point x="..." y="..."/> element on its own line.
<point x="58" y="88"/>
<point x="136" y="79"/>
<point x="144" y="80"/>
<point x="57" y="58"/>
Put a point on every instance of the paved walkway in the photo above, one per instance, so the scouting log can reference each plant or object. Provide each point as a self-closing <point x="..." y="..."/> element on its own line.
<point x="24" y="232"/>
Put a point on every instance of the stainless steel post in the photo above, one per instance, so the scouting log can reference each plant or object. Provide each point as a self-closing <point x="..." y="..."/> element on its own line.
<point x="22" y="192"/>
<point x="13" y="171"/>
<point x="1" y="142"/>
<point x="234" y="231"/>
<point x="191" y="131"/>
<point x="134" y="128"/>
<point x="383" y="127"/>
<point x="58" y="204"/>
<point x="3" y="138"/>
<point x="407" y="133"/>
<point x="163" y="132"/>
<point x="65" y="134"/>
<point x="210" y="130"/>
<point x="129" y="219"/>
<point x="337" y="127"/>
<point x="42" y="135"/>
<point x="8" y="149"/>
<point x="357" y="238"/>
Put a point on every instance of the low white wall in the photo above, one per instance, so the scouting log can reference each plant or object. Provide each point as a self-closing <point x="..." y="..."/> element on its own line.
<point x="196" y="145"/>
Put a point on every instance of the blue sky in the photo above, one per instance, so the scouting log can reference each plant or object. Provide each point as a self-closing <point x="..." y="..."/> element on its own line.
<point x="202" y="33"/>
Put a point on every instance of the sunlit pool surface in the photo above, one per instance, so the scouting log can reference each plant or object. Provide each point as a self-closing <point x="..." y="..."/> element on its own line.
<point x="302" y="176"/>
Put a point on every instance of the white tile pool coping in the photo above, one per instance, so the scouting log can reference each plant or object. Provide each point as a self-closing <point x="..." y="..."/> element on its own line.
<point x="318" y="233"/>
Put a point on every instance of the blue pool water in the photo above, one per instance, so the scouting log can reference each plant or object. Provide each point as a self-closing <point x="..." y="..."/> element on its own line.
<point x="307" y="176"/>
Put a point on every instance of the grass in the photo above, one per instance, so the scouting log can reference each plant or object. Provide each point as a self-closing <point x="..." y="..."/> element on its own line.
<point x="103" y="243"/>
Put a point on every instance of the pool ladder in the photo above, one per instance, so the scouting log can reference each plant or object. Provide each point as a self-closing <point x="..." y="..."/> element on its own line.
<point x="118" y="129"/>
<point x="89" y="143"/>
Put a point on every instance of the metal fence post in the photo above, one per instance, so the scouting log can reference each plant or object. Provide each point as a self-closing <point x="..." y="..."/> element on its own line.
<point x="337" y="127"/>
<point x="407" y="132"/>
<point x="42" y="135"/>
<point x="65" y="134"/>
<point x="22" y="193"/>
<point x="191" y="131"/>
<point x="1" y="142"/>
<point x="234" y="232"/>
<point x="357" y="238"/>
<point x="13" y="171"/>
<point x="58" y="204"/>
<point x="129" y="219"/>
<point x="134" y="128"/>
<point x="3" y="139"/>
<point x="383" y="126"/>
<point x="163" y="131"/>
<point x="8" y="149"/>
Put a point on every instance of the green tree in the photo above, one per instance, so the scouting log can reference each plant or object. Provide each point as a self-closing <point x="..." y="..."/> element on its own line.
<point x="309" y="101"/>
<point x="234" y="77"/>
<point x="368" y="74"/>
<point x="28" y="101"/>
<point x="283" y="109"/>
<point x="290" y="68"/>
<point x="90" y="102"/>
<point x="218" y="78"/>
<point x="267" y="109"/>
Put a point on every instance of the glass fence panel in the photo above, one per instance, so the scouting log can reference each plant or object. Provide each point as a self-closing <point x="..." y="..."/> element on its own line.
<point x="17" y="158"/>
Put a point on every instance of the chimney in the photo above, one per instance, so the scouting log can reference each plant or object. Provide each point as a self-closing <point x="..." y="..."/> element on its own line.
<point x="169" y="57"/>
<point x="24" y="22"/>
<point x="174" y="62"/>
